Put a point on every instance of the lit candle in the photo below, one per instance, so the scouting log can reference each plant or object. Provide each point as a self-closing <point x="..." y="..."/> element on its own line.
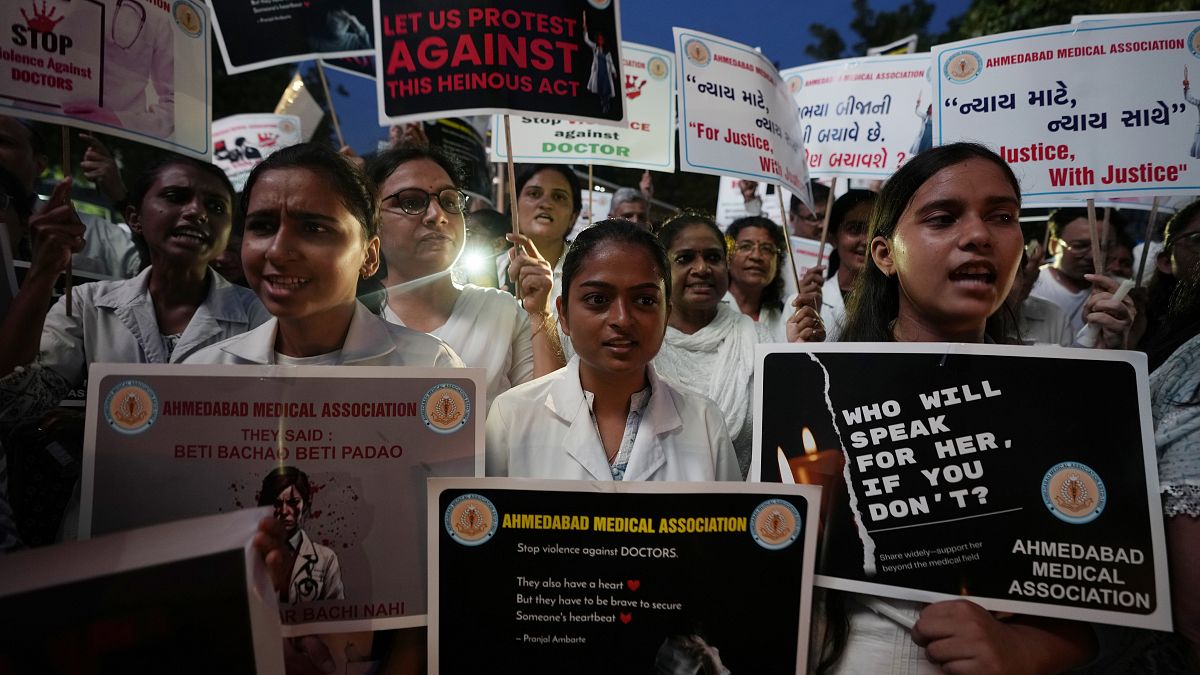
<point x="816" y="467"/>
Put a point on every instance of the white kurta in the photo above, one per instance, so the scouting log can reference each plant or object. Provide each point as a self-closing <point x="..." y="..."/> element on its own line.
<point x="544" y="429"/>
<point x="1071" y="304"/>
<point x="487" y="329"/>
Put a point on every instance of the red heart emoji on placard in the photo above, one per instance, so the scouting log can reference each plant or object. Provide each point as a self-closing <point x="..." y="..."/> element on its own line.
<point x="633" y="584"/>
<point x="626" y="618"/>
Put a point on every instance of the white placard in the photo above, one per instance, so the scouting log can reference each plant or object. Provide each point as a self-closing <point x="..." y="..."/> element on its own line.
<point x="736" y="117"/>
<point x="1080" y="111"/>
<point x="861" y="118"/>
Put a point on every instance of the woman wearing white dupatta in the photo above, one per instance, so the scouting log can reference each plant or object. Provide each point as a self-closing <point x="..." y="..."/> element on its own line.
<point x="709" y="346"/>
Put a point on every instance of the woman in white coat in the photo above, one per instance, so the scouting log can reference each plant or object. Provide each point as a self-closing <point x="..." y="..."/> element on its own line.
<point x="607" y="415"/>
<point x="312" y="227"/>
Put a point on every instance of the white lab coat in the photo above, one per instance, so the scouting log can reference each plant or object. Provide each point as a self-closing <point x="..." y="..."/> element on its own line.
<point x="370" y="341"/>
<point x="544" y="429"/>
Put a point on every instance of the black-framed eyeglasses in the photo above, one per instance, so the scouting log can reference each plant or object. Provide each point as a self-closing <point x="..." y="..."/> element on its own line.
<point x="415" y="201"/>
<point x="127" y="23"/>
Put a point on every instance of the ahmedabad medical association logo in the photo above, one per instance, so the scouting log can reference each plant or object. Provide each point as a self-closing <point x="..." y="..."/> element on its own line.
<point x="657" y="67"/>
<point x="1074" y="493"/>
<point x="794" y="84"/>
<point x="775" y="524"/>
<point x="697" y="52"/>
<point x="963" y="67"/>
<point x="1193" y="42"/>
<point x="445" y="409"/>
<point x="471" y="519"/>
<point x="131" y="407"/>
<point x="187" y="17"/>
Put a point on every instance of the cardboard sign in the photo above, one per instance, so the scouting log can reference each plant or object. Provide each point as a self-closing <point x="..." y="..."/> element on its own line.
<point x="647" y="142"/>
<point x="131" y="68"/>
<point x="436" y="58"/>
<point x="620" y="577"/>
<point x="955" y="470"/>
<point x="1099" y="109"/>
<point x="861" y="118"/>
<point x="256" y="34"/>
<point x="204" y="439"/>
<point x="138" y="602"/>
<point x="736" y="116"/>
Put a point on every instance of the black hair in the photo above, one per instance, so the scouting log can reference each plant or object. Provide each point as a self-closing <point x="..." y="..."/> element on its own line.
<point x="772" y="295"/>
<point x="386" y="162"/>
<point x="614" y="230"/>
<point x="150" y="172"/>
<point x="528" y="171"/>
<point x="1173" y="307"/>
<point x="489" y="222"/>
<point x="1060" y="218"/>
<point x="837" y="215"/>
<point x="874" y="301"/>
<point x="684" y="219"/>
<point x="356" y="192"/>
<point x="280" y="479"/>
<point x="819" y="191"/>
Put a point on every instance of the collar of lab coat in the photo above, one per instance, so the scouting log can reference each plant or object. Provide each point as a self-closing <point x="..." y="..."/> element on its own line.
<point x="131" y="304"/>
<point x="367" y="339"/>
<point x="566" y="401"/>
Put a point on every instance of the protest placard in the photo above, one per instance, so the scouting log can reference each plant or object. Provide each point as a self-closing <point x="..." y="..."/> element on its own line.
<point x="647" y="142"/>
<point x="362" y="66"/>
<point x="1082" y="111"/>
<point x="958" y="471"/>
<point x="619" y="577"/>
<point x="240" y="142"/>
<point x="143" y="601"/>
<point x="736" y="116"/>
<point x="436" y="58"/>
<point x="344" y="450"/>
<point x="131" y="68"/>
<point x="260" y="33"/>
<point x="863" y="117"/>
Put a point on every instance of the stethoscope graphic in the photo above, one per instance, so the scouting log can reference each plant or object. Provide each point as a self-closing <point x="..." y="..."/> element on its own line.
<point x="127" y="23"/>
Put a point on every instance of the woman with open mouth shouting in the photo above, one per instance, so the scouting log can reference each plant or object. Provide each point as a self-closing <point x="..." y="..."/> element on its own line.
<point x="608" y="415"/>
<point x="312" y="223"/>
<point x="183" y="209"/>
<point x="944" y="246"/>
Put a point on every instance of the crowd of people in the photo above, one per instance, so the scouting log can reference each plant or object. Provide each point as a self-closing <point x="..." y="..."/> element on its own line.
<point x="626" y="353"/>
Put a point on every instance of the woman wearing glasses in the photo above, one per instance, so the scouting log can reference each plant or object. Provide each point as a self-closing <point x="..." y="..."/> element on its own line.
<point x="755" y="283"/>
<point x="423" y="230"/>
<point x="311" y="224"/>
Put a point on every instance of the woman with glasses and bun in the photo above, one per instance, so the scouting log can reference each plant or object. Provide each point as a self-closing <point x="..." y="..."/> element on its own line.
<point x="422" y="234"/>
<point x="311" y="235"/>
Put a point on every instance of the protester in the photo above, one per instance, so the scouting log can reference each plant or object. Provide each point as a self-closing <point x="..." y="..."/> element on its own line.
<point x="755" y="280"/>
<point x="1067" y="282"/>
<point x="173" y="309"/>
<point x="1177" y="262"/>
<point x="803" y="221"/>
<point x="709" y="346"/>
<point x="311" y="234"/>
<point x="945" y="244"/>
<point x="608" y="415"/>
<point x="229" y="263"/>
<point x="1039" y="321"/>
<point x="630" y="204"/>
<point x="547" y="207"/>
<point x="848" y="231"/>
<point x="422" y="235"/>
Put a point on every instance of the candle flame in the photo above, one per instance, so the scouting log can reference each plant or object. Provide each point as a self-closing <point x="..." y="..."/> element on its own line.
<point x="810" y="443"/>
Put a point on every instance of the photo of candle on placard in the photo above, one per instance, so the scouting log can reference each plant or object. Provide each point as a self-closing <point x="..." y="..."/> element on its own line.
<point x="816" y="467"/>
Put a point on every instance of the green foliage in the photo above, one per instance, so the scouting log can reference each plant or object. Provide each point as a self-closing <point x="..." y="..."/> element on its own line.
<point x="873" y="28"/>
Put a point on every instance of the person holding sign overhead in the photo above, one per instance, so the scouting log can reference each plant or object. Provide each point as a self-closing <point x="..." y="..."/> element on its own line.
<point x="311" y="234"/>
<point x="608" y="415"/>
<point x="422" y="235"/>
<point x="945" y="245"/>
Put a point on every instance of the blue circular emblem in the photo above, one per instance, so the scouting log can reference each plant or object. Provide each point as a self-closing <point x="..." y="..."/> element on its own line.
<point x="775" y="524"/>
<point x="1074" y="493"/>
<point x="657" y="67"/>
<point x="189" y="17"/>
<point x="471" y="519"/>
<point x="131" y="407"/>
<point x="697" y="52"/>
